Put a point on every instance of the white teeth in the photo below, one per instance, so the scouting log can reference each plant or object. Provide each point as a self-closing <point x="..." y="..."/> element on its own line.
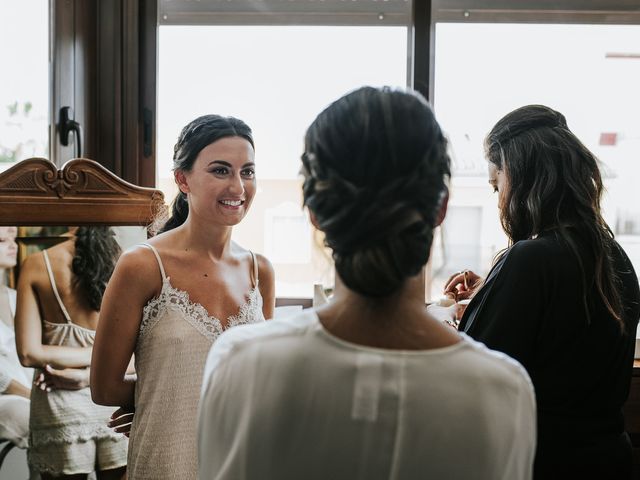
<point x="232" y="203"/>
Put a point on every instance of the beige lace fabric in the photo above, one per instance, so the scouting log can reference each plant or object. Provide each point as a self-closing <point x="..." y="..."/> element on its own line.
<point x="174" y="340"/>
<point x="68" y="432"/>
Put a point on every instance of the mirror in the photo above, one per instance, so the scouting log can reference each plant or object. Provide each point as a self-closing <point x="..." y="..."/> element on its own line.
<point x="43" y="201"/>
<point x="33" y="239"/>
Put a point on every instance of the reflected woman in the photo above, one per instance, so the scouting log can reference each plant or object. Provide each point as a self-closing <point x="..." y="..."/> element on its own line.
<point x="59" y="295"/>
<point x="169" y="299"/>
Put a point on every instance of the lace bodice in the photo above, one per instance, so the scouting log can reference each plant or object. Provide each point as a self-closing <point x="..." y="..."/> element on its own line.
<point x="175" y="336"/>
<point x="194" y="313"/>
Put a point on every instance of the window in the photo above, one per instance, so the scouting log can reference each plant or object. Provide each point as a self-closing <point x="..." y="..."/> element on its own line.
<point x="590" y="73"/>
<point x="24" y="95"/>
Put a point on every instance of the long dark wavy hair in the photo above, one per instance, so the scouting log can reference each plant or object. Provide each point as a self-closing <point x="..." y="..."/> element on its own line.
<point x="375" y="169"/>
<point x="198" y="134"/>
<point x="96" y="253"/>
<point x="554" y="185"/>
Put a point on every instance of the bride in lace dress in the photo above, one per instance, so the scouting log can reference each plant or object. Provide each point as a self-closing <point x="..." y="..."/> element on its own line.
<point x="169" y="299"/>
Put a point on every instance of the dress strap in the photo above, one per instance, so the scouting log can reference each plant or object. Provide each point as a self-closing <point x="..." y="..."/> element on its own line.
<point x="155" y="252"/>
<point x="54" y="287"/>
<point x="254" y="271"/>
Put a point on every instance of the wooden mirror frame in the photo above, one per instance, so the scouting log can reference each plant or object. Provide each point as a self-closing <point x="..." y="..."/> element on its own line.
<point x="82" y="192"/>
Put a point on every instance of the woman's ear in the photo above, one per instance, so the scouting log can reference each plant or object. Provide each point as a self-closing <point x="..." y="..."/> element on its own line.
<point x="444" y="202"/>
<point x="181" y="181"/>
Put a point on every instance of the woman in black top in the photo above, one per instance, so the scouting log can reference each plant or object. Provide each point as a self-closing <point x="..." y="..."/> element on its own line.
<point x="563" y="299"/>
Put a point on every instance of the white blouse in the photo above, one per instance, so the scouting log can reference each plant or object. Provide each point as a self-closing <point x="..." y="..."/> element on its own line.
<point x="286" y="399"/>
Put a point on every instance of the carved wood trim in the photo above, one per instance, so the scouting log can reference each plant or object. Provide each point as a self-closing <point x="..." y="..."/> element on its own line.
<point x="82" y="192"/>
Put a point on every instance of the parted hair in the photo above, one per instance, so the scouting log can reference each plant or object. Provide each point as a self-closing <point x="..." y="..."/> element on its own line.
<point x="554" y="185"/>
<point x="375" y="169"/>
<point x="96" y="253"/>
<point x="195" y="136"/>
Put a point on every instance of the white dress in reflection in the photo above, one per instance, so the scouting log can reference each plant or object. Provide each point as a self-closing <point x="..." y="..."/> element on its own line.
<point x="69" y="433"/>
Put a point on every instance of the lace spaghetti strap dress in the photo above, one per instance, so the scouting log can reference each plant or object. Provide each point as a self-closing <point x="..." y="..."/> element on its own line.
<point x="68" y="432"/>
<point x="173" y="342"/>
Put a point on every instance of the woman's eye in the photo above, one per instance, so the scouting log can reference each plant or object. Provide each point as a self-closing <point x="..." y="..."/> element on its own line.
<point x="248" y="172"/>
<point x="220" y="171"/>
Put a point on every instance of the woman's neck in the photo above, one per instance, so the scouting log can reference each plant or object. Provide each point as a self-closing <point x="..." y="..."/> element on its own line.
<point x="398" y="321"/>
<point x="215" y="240"/>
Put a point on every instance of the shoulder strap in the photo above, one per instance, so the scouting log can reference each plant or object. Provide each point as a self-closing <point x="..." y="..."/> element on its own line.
<point x="254" y="271"/>
<point x="54" y="287"/>
<point x="155" y="252"/>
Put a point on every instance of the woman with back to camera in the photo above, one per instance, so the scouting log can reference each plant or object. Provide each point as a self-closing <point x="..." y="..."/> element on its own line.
<point x="169" y="299"/>
<point x="59" y="295"/>
<point x="370" y="385"/>
<point x="563" y="299"/>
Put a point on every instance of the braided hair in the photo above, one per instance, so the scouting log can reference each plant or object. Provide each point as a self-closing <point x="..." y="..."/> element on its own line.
<point x="375" y="169"/>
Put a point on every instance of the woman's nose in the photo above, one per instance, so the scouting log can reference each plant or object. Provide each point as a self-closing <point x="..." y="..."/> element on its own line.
<point x="237" y="186"/>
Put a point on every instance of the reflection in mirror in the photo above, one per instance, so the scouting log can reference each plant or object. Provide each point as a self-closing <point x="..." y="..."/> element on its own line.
<point x="33" y="239"/>
<point x="59" y="294"/>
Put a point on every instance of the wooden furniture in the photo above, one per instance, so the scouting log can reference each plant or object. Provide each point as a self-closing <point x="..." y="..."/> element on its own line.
<point x="35" y="192"/>
<point x="82" y="192"/>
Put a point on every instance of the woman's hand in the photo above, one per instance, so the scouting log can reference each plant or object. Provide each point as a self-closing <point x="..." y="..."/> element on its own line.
<point x="463" y="284"/>
<point x="62" y="379"/>
<point x="121" y="420"/>
<point x="17" y="388"/>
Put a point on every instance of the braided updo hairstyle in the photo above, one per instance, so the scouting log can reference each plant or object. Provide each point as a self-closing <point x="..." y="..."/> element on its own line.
<point x="375" y="170"/>
<point x="198" y="134"/>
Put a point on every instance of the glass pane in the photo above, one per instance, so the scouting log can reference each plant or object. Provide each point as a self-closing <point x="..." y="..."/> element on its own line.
<point x="590" y="73"/>
<point x="24" y="95"/>
<point x="277" y="79"/>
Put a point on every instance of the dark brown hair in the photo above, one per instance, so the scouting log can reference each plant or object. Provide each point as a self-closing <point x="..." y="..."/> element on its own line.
<point x="554" y="185"/>
<point x="96" y="253"/>
<point x="375" y="168"/>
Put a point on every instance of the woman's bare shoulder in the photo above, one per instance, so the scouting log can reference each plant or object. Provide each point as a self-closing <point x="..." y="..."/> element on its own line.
<point x="264" y="266"/>
<point x="166" y="243"/>
<point x="33" y="263"/>
<point x="137" y="258"/>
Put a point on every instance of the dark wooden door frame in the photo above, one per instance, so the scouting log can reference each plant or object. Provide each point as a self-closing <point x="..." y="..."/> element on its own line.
<point x="104" y="67"/>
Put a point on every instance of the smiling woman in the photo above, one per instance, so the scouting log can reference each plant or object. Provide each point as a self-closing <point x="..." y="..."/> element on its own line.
<point x="229" y="184"/>
<point x="169" y="299"/>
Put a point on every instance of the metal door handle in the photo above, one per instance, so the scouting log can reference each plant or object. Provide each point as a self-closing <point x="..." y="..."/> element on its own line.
<point x="67" y="125"/>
